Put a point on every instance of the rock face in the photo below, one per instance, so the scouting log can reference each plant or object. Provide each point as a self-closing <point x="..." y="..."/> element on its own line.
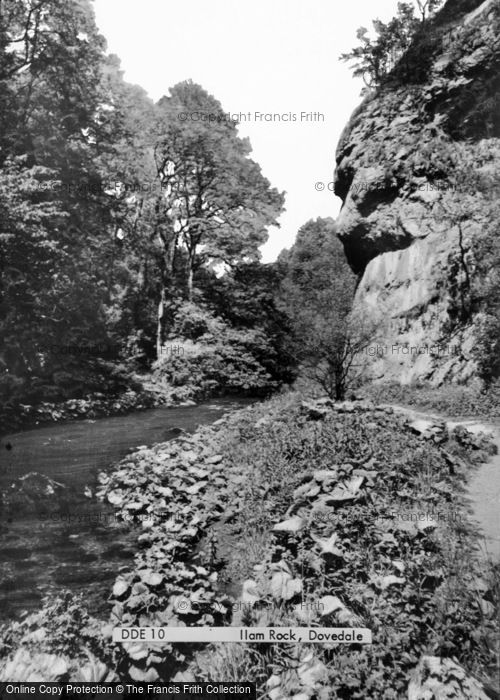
<point x="407" y="167"/>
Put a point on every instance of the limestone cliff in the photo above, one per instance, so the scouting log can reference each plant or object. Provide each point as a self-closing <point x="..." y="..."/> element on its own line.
<point x="407" y="164"/>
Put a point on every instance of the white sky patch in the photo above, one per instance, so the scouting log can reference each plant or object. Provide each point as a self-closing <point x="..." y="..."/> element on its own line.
<point x="273" y="57"/>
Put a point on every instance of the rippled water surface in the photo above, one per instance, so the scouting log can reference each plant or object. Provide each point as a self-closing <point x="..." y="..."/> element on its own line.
<point x="80" y="546"/>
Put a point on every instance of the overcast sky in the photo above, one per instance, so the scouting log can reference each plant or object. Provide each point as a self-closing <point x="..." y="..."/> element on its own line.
<point x="266" y="56"/>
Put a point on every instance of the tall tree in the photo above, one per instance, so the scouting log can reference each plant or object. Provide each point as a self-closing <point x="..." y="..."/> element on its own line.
<point x="318" y="291"/>
<point x="56" y="228"/>
<point x="217" y="205"/>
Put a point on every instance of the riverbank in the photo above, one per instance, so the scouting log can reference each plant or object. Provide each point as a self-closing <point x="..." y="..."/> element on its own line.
<point x="298" y="513"/>
<point x="54" y="533"/>
<point x="152" y="394"/>
<point x="25" y="416"/>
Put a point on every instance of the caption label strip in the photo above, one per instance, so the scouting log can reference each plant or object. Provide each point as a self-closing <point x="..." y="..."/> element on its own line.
<point x="272" y="635"/>
<point x="181" y="691"/>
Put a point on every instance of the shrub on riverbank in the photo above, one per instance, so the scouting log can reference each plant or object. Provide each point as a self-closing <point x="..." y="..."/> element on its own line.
<point x="61" y="640"/>
<point x="205" y="357"/>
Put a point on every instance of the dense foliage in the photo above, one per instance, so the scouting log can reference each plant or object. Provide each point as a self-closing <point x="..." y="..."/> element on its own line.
<point x="205" y="356"/>
<point x="470" y="209"/>
<point x="328" y="333"/>
<point x="111" y="207"/>
<point x="60" y="132"/>
<point x="376" y="56"/>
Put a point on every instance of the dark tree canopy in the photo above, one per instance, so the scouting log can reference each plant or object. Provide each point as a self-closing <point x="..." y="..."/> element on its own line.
<point x="111" y="207"/>
<point x="318" y="291"/>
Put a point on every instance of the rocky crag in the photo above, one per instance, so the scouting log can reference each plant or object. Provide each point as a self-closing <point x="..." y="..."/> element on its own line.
<point x="417" y="168"/>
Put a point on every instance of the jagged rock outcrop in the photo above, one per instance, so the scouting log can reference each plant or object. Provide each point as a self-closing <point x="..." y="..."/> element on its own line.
<point x="408" y="164"/>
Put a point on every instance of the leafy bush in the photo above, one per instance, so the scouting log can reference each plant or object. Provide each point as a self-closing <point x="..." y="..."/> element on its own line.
<point x="208" y="357"/>
<point x="375" y="58"/>
<point x="192" y="322"/>
<point x="64" y="625"/>
<point x="73" y="376"/>
<point x="318" y="293"/>
<point x="249" y="297"/>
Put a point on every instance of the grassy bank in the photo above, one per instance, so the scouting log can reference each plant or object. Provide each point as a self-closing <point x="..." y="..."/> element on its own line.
<point x="293" y="513"/>
<point x="415" y="585"/>
<point x="450" y="400"/>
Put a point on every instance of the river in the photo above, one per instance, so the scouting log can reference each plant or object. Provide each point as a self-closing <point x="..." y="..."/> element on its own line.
<point x="80" y="547"/>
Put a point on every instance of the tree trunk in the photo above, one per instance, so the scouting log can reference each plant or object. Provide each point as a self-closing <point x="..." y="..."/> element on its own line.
<point x="167" y="276"/>
<point x="190" y="282"/>
<point x="190" y="263"/>
<point x="339" y="388"/>
<point x="160" y="328"/>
